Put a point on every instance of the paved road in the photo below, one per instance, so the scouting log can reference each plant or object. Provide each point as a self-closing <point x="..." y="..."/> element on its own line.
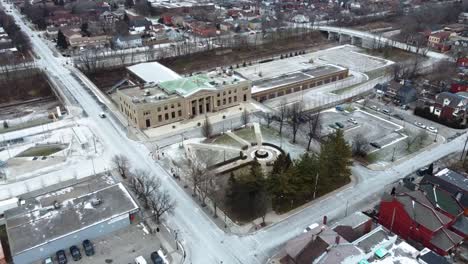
<point x="204" y="241"/>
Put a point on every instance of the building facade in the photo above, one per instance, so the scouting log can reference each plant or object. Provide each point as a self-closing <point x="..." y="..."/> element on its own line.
<point x="154" y="105"/>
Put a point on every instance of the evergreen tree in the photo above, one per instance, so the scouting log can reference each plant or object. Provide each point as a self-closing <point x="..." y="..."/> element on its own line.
<point x="61" y="40"/>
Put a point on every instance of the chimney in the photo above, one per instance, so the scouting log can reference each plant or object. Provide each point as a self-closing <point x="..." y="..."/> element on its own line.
<point x="324" y="219"/>
<point x="337" y="239"/>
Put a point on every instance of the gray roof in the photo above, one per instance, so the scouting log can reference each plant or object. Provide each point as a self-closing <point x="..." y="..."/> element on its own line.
<point x="454" y="178"/>
<point x="445" y="239"/>
<point x="454" y="99"/>
<point x="461" y="224"/>
<point x="38" y="221"/>
<point x="423" y="214"/>
<point x="354" y="220"/>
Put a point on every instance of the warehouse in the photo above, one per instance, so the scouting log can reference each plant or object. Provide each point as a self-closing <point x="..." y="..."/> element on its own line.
<point x="63" y="215"/>
<point x="280" y="77"/>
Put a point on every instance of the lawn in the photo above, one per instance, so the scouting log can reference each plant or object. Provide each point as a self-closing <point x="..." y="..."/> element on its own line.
<point x="40" y="151"/>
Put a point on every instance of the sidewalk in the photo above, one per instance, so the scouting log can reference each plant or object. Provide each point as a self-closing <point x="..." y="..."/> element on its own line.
<point x="180" y="127"/>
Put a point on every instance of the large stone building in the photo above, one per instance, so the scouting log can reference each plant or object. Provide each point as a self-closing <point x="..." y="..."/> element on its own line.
<point x="280" y="77"/>
<point x="163" y="97"/>
<point x="60" y="216"/>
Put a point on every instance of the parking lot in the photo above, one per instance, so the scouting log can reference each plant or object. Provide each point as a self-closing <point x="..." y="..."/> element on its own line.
<point x="121" y="247"/>
<point x="386" y="134"/>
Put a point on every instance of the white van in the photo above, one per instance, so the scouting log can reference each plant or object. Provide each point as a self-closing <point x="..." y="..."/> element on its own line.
<point x="140" y="260"/>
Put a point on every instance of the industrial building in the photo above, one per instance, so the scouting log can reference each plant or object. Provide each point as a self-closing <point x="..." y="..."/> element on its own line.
<point x="280" y="77"/>
<point x="160" y="96"/>
<point x="63" y="215"/>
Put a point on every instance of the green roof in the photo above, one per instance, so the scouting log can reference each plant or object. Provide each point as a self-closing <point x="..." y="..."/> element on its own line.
<point x="363" y="261"/>
<point x="381" y="252"/>
<point x="442" y="198"/>
<point x="187" y="85"/>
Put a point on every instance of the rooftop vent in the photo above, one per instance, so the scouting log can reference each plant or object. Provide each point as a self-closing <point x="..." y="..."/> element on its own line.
<point x="56" y="205"/>
<point x="96" y="202"/>
<point x="147" y="92"/>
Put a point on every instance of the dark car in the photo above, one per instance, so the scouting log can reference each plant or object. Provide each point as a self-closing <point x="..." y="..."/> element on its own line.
<point x="61" y="257"/>
<point x="397" y="116"/>
<point x="340" y="125"/>
<point x="156" y="258"/>
<point x="75" y="252"/>
<point x="88" y="247"/>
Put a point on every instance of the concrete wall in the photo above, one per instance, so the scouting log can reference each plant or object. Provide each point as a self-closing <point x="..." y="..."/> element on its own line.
<point x="49" y="249"/>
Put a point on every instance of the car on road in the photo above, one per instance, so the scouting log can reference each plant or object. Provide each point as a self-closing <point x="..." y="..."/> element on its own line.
<point x="397" y="116"/>
<point x="312" y="226"/>
<point x="102" y="115"/>
<point x="88" y="247"/>
<point x="386" y="111"/>
<point x="432" y="129"/>
<point x="61" y="257"/>
<point x="156" y="258"/>
<point x="140" y="260"/>
<point x="338" y="124"/>
<point x="352" y="120"/>
<point x="404" y="107"/>
<point x="419" y="124"/>
<point x="374" y="107"/>
<point x="75" y="253"/>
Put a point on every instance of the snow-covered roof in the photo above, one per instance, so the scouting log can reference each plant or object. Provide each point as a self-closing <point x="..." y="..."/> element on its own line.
<point x="64" y="209"/>
<point x="153" y="72"/>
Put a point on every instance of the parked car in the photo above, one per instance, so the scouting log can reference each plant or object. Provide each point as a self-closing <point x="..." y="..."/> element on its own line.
<point x="374" y="107"/>
<point x="312" y="226"/>
<point x="75" y="253"/>
<point x="61" y="257"/>
<point x="333" y="126"/>
<point x="339" y="108"/>
<point x="156" y="258"/>
<point x="338" y="124"/>
<point x="102" y="115"/>
<point x="375" y="145"/>
<point x="432" y="129"/>
<point x="140" y="260"/>
<point x="386" y="111"/>
<point x="48" y="261"/>
<point x="404" y="107"/>
<point x="397" y="116"/>
<point x="352" y="120"/>
<point x="88" y="247"/>
<point x="421" y="125"/>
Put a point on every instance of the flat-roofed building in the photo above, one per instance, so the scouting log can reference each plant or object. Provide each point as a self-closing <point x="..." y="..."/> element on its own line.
<point x="280" y="77"/>
<point x="163" y="99"/>
<point x="63" y="215"/>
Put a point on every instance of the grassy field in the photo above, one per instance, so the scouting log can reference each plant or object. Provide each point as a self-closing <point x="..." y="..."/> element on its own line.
<point x="29" y="124"/>
<point x="41" y="151"/>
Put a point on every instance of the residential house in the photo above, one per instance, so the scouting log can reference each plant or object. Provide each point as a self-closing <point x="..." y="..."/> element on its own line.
<point x="300" y="18"/>
<point x="463" y="61"/>
<point x="407" y="93"/>
<point x="255" y="24"/>
<point x="63" y="19"/>
<point x="449" y="106"/>
<point x="138" y="24"/>
<point x="463" y="18"/>
<point x="460" y="46"/>
<point x="459" y="86"/>
<point x="203" y="29"/>
<point x="125" y="42"/>
<point x="438" y="40"/>
<point x="108" y="17"/>
<point x="412" y="216"/>
<point x="225" y="26"/>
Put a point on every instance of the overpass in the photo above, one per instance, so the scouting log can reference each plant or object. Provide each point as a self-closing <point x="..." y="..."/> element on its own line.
<point x="372" y="41"/>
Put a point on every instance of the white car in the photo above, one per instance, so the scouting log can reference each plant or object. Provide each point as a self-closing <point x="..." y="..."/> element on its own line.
<point x="432" y="129"/>
<point x="102" y="115"/>
<point x="312" y="226"/>
<point x="352" y="120"/>
<point x="421" y="125"/>
<point x="48" y="261"/>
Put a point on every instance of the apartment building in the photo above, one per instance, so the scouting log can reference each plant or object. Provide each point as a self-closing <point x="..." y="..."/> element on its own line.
<point x="174" y="98"/>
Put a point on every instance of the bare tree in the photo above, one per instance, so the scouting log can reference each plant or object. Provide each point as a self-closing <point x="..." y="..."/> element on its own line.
<point x="295" y="118"/>
<point x="314" y="128"/>
<point x="207" y="185"/>
<point x="245" y="118"/>
<point x="268" y="119"/>
<point x="282" y="114"/>
<point x="122" y="164"/>
<point x="160" y="203"/>
<point x="417" y="140"/>
<point x="144" y="185"/>
<point x="360" y="145"/>
<point x="207" y="128"/>
<point x="196" y="171"/>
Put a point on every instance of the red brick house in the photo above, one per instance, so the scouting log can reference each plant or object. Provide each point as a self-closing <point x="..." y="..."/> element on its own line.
<point x="203" y="29"/>
<point x="412" y="216"/>
<point x="460" y="86"/>
<point x="438" y="40"/>
<point x="462" y="62"/>
<point x="450" y="107"/>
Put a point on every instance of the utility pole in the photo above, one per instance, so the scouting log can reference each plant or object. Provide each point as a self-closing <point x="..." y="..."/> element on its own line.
<point x="466" y="141"/>
<point x="316" y="182"/>
<point x="94" y="141"/>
